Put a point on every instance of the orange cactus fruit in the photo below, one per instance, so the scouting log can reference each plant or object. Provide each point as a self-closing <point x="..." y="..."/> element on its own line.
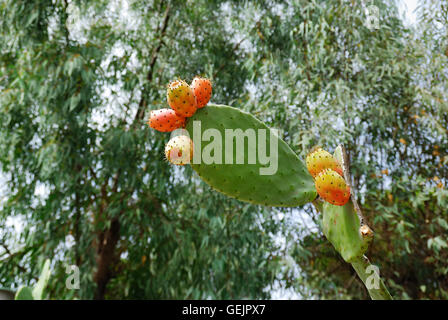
<point x="319" y="160"/>
<point x="332" y="187"/>
<point x="165" y="120"/>
<point x="202" y="89"/>
<point x="179" y="150"/>
<point x="181" y="98"/>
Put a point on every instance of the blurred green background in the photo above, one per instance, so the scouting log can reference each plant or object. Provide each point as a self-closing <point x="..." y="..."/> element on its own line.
<point x="84" y="182"/>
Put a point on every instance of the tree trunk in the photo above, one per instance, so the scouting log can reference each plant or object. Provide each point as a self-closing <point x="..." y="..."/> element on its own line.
<point x="107" y="242"/>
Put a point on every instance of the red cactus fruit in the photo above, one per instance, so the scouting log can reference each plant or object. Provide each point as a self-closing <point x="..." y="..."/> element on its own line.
<point x="165" y="120"/>
<point x="202" y="89"/>
<point x="332" y="187"/>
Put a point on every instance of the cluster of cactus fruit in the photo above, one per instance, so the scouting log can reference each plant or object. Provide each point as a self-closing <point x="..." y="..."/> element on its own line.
<point x="283" y="181"/>
<point x="184" y="101"/>
<point x="328" y="177"/>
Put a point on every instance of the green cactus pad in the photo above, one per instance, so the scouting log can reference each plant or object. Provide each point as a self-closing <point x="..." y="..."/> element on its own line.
<point x="341" y="227"/>
<point x="43" y="281"/>
<point x="24" y="293"/>
<point x="289" y="186"/>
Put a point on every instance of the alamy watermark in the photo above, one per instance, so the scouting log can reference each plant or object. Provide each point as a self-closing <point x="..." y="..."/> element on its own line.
<point x="373" y="280"/>
<point x="230" y="148"/>
<point x="72" y="281"/>
<point x="372" y="17"/>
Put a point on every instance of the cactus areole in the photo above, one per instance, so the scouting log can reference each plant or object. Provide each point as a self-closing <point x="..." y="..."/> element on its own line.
<point x="240" y="156"/>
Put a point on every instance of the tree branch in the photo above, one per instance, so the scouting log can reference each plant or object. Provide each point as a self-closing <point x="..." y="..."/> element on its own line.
<point x="12" y="255"/>
<point x="346" y="169"/>
<point x="143" y="103"/>
<point x="221" y="67"/>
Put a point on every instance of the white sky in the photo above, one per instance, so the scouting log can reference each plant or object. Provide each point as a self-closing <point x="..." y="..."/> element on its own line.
<point x="407" y="8"/>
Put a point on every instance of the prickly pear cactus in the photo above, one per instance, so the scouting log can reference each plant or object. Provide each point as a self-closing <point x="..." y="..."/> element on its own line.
<point x="268" y="172"/>
<point x="24" y="293"/>
<point x="341" y="226"/>
<point x="37" y="293"/>
<point x="283" y="182"/>
<point x="344" y="227"/>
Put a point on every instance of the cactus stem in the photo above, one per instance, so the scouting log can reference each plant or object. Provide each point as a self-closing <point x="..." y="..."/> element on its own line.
<point x="377" y="289"/>
<point x="361" y="264"/>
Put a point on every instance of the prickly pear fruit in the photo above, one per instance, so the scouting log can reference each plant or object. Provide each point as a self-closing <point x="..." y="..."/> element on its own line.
<point x="319" y="160"/>
<point x="179" y="150"/>
<point x="165" y="120"/>
<point x="332" y="187"/>
<point x="181" y="98"/>
<point x="202" y="89"/>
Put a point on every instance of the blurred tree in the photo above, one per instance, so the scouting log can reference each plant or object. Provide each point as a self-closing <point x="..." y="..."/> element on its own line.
<point x="87" y="180"/>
